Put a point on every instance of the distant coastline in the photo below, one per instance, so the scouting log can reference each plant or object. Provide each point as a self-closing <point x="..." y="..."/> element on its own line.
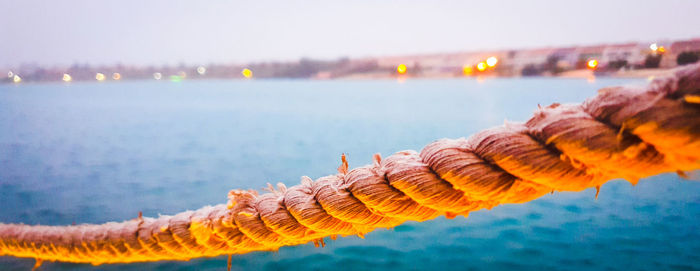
<point x="579" y="73"/>
<point x="636" y="59"/>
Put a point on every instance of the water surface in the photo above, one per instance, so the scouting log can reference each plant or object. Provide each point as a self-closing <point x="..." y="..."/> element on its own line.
<point x="94" y="152"/>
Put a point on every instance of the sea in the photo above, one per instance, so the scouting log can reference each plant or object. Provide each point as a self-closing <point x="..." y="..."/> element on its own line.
<point x="93" y="152"/>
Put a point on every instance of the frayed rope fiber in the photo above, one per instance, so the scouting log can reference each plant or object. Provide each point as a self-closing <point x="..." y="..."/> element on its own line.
<point x="622" y="132"/>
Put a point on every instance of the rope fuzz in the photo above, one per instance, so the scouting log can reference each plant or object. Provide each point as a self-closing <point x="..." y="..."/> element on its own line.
<point x="627" y="133"/>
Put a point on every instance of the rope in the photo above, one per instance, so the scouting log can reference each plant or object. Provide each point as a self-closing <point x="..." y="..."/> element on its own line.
<point x="622" y="132"/>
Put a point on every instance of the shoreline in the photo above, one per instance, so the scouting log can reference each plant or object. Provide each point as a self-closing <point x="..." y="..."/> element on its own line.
<point x="573" y="74"/>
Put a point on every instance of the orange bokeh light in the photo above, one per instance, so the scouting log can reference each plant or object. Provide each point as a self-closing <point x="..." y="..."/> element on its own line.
<point x="247" y="73"/>
<point x="401" y="69"/>
<point x="481" y="66"/>
<point x="467" y="70"/>
<point x="592" y="64"/>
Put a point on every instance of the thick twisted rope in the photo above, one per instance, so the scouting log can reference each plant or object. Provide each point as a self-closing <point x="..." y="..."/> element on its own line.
<point x="625" y="133"/>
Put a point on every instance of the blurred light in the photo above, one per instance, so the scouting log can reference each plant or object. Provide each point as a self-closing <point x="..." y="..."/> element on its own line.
<point x="10" y="74"/>
<point x="481" y="66"/>
<point x="175" y="78"/>
<point x="201" y="70"/>
<point x="401" y="69"/>
<point x="654" y="47"/>
<point x="182" y="74"/>
<point x="662" y="49"/>
<point x="157" y="76"/>
<point x="16" y="79"/>
<point x="467" y="70"/>
<point x="592" y="64"/>
<point x="491" y="61"/>
<point x="116" y="76"/>
<point x="247" y="73"/>
<point x="100" y="76"/>
<point x="67" y="78"/>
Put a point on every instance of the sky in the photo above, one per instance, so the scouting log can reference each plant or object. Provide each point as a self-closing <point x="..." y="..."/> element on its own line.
<point x="169" y="32"/>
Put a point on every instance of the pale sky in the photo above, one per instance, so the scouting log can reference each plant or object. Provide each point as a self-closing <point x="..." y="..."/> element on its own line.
<point x="158" y="32"/>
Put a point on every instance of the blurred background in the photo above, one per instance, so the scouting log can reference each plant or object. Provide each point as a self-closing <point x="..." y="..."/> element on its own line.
<point x="114" y="107"/>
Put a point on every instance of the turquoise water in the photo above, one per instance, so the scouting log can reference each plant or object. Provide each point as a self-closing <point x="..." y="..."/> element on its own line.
<point x="92" y="153"/>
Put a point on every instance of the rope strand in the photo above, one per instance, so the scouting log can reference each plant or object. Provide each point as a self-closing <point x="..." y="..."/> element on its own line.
<point x="627" y="133"/>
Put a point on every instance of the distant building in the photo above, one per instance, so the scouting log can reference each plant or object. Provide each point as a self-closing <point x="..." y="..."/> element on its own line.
<point x="522" y="58"/>
<point x="566" y="57"/>
<point x="685" y="46"/>
<point x="668" y="60"/>
<point x="679" y="47"/>
<point x="586" y="53"/>
<point x="632" y="53"/>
